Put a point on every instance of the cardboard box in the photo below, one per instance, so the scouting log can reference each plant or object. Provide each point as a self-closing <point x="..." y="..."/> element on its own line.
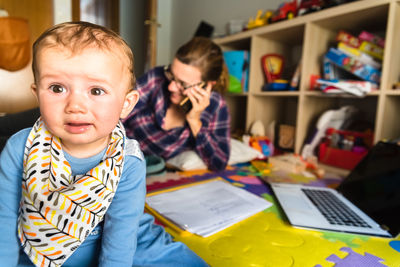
<point x="365" y="46"/>
<point x="351" y="64"/>
<point x="359" y="55"/>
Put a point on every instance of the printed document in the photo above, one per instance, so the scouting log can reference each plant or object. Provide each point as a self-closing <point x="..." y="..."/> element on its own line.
<point x="207" y="208"/>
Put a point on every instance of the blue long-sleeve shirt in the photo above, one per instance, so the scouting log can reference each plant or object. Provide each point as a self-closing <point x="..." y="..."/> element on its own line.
<point x="126" y="237"/>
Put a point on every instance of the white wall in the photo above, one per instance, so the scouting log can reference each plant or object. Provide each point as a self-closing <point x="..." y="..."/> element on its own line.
<point x="164" y="18"/>
<point x="179" y="20"/>
<point x="62" y="10"/>
<point x="132" y="16"/>
<point x="186" y="15"/>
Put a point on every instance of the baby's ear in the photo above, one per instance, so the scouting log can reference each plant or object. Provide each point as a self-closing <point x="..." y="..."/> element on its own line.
<point x="129" y="103"/>
<point x="34" y="90"/>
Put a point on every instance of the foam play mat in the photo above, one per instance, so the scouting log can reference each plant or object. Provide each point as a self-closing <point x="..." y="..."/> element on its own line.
<point x="267" y="239"/>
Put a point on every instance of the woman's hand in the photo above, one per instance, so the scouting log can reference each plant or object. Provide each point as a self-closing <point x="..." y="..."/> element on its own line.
<point x="200" y="98"/>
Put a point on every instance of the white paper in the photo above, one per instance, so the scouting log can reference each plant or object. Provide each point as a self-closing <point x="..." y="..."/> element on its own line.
<point x="207" y="208"/>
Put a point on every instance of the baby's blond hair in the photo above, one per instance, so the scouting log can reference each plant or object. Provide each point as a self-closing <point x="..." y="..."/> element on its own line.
<point x="77" y="36"/>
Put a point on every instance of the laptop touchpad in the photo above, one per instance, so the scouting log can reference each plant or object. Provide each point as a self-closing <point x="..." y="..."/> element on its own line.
<point x="295" y="202"/>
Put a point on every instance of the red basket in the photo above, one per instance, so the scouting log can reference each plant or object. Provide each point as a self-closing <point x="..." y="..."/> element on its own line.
<point x="343" y="158"/>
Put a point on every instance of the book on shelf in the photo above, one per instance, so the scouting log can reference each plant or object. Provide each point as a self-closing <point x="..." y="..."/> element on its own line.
<point x="238" y="65"/>
<point x="204" y="208"/>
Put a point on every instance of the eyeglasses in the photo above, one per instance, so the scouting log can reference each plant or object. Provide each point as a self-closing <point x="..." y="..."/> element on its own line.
<point x="181" y="85"/>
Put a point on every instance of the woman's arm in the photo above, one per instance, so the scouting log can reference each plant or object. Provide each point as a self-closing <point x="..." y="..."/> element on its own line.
<point x="213" y="138"/>
<point x="121" y="221"/>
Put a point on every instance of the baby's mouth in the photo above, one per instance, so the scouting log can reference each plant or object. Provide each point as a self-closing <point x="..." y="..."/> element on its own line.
<point x="76" y="124"/>
<point x="77" y="127"/>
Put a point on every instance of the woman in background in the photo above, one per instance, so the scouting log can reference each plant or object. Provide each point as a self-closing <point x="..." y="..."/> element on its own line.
<point x="181" y="106"/>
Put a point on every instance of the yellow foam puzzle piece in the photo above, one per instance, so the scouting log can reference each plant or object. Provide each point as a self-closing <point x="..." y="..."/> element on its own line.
<point x="266" y="240"/>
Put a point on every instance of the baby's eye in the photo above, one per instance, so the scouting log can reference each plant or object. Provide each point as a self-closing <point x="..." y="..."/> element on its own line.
<point x="97" y="91"/>
<point x="56" y="88"/>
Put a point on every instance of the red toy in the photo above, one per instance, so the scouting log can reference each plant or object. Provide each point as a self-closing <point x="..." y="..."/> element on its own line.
<point x="273" y="65"/>
<point x="287" y="10"/>
<point x="307" y="6"/>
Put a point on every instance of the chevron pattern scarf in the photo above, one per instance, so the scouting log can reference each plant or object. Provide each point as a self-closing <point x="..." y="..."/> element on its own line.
<point x="58" y="210"/>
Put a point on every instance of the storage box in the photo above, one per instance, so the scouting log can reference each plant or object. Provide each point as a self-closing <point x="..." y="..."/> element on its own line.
<point x="344" y="159"/>
<point x="238" y="68"/>
<point x="335" y="152"/>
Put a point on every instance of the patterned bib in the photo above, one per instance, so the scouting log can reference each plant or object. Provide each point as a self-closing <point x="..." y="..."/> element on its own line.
<point x="58" y="210"/>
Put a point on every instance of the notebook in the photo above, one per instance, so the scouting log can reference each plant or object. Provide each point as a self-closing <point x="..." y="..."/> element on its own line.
<point x="369" y="198"/>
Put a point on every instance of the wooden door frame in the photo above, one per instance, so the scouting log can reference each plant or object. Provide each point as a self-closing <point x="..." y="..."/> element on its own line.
<point x="151" y="24"/>
<point x="112" y="13"/>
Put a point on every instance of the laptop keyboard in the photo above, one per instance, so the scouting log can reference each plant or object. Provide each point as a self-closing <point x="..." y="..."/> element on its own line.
<point x="333" y="209"/>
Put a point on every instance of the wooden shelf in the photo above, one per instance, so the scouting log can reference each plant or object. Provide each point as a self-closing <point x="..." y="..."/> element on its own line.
<point x="237" y="94"/>
<point x="308" y="38"/>
<point x="393" y="92"/>
<point x="277" y="93"/>
<point x="344" y="95"/>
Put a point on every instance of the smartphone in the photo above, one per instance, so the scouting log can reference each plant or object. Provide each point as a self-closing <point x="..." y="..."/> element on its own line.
<point x="186" y="104"/>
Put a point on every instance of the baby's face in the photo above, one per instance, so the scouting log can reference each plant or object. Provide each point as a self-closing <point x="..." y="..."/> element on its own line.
<point x="82" y="96"/>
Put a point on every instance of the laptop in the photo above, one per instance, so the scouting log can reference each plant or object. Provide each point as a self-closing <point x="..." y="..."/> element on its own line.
<point x="366" y="202"/>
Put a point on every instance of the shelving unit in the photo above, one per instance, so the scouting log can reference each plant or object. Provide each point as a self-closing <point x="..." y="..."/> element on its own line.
<point x="308" y="38"/>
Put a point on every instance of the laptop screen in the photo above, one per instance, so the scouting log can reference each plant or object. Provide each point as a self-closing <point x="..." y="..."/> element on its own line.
<point x="374" y="185"/>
